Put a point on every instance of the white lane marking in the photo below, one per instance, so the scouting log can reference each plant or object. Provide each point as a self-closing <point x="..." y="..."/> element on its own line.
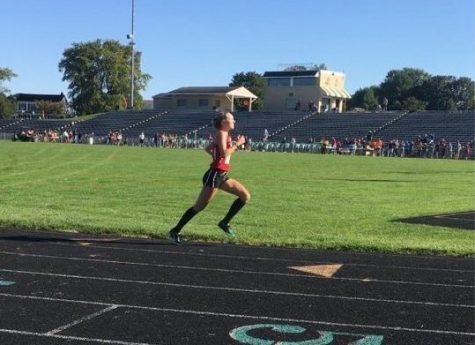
<point x="255" y="291"/>
<point x="64" y="337"/>
<point x="254" y="317"/>
<point x="241" y="257"/>
<point x="366" y="280"/>
<point x="82" y="319"/>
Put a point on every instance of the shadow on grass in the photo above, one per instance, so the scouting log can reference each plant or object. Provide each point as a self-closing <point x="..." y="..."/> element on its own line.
<point x="460" y="220"/>
<point x="53" y="237"/>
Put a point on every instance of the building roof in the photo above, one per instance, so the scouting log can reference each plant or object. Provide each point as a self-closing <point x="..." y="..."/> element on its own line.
<point x="208" y="90"/>
<point x="236" y="91"/>
<point x="273" y="74"/>
<point x="337" y="92"/>
<point x="33" y="97"/>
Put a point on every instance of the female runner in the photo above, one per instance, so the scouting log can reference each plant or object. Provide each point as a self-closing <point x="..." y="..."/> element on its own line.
<point x="216" y="177"/>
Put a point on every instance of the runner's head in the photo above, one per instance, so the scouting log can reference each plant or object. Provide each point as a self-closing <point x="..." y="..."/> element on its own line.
<point x="224" y="121"/>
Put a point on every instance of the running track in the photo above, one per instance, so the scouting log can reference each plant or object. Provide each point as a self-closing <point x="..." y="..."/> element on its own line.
<point x="77" y="289"/>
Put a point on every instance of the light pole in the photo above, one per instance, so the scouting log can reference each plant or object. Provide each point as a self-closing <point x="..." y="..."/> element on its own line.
<point x="132" y="72"/>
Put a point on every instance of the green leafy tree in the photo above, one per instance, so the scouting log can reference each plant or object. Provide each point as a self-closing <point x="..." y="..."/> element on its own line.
<point x="50" y="109"/>
<point x="447" y="93"/>
<point x="7" y="103"/>
<point x="6" y="74"/>
<point x="399" y="84"/>
<point x="7" y="106"/>
<point x="366" y="98"/>
<point x="99" y="74"/>
<point x="413" y="104"/>
<point x="252" y="81"/>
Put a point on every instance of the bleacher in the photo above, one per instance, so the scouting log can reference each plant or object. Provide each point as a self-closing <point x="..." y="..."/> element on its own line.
<point x="451" y="126"/>
<point x="6" y="123"/>
<point x="15" y="126"/>
<point x="116" y="121"/>
<point x="179" y="123"/>
<point x="253" y="124"/>
<point x="299" y="125"/>
<point x="339" y="125"/>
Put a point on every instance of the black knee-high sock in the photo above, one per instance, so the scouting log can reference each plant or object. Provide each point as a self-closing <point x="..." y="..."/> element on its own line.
<point x="233" y="210"/>
<point x="190" y="213"/>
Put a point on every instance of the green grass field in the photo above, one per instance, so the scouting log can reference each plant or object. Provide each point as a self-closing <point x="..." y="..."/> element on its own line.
<point x="298" y="200"/>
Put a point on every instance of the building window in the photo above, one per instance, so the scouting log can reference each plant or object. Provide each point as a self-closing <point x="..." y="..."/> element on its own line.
<point x="203" y="103"/>
<point x="181" y="102"/>
<point x="271" y="82"/>
<point x="304" y="81"/>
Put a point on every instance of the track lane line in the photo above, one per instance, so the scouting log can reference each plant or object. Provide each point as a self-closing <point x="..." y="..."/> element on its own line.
<point x="253" y="317"/>
<point x="370" y="280"/>
<point x="242" y="257"/>
<point x="65" y="337"/>
<point x="80" y="320"/>
<point x="229" y="289"/>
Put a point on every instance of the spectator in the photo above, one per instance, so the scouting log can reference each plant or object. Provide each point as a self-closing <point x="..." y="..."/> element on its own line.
<point x="458" y="150"/>
<point x="119" y="138"/>
<point x="156" y="139"/>
<point x="298" y="105"/>
<point x="385" y="104"/>
<point x="369" y="136"/>
<point x="141" y="139"/>
<point x="266" y="135"/>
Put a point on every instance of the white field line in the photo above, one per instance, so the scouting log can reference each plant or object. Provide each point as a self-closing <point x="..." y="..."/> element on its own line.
<point x="230" y="289"/>
<point x="210" y="269"/>
<point x="253" y="317"/>
<point x="64" y="337"/>
<point x="82" y="319"/>
<point x="293" y="261"/>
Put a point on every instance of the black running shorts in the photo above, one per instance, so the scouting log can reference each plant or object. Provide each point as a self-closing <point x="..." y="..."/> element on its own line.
<point x="214" y="178"/>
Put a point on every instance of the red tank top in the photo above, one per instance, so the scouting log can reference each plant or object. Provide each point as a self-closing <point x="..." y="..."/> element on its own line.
<point x="221" y="163"/>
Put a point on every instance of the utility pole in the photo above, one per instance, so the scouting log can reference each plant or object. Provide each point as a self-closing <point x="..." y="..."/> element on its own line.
<point x="132" y="43"/>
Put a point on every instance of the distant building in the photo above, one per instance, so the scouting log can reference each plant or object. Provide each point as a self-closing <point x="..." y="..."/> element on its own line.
<point x="148" y="104"/>
<point x="203" y="98"/>
<point x="27" y="102"/>
<point x="290" y="90"/>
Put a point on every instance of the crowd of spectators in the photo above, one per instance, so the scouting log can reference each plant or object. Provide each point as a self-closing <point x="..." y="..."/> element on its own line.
<point x="422" y="147"/>
<point x="48" y="135"/>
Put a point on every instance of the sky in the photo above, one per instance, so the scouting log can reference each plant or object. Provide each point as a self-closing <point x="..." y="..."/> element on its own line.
<point x="204" y="43"/>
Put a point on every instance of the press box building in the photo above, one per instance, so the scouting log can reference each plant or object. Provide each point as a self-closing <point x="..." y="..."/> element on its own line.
<point x="285" y="90"/>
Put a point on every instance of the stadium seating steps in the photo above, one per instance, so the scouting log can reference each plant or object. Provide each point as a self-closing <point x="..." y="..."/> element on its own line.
<point x="280" y="125"/>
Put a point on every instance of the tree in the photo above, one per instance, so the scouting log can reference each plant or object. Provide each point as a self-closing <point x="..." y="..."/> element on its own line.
<point x="98" y="73"/>
<point x="464" y="93"/>
<point x="50" y="109"/>
<point x="366" y="98"/>
<point x="7" y="104"/>
<point x="252" y="81"/>
<point x="413" y="104"/>
<point x="447" y="93"/>
<point x="6" y="74"/>
<point x="398" y="84"/>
